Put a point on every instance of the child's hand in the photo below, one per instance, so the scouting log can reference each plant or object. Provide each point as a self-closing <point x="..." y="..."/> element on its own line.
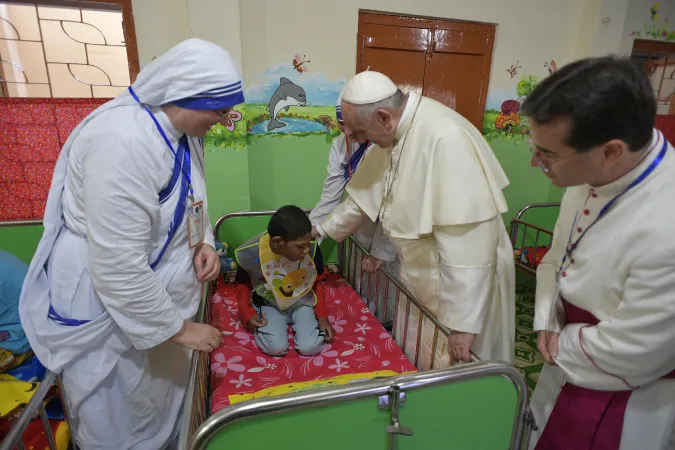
<point x="256" y="322"/>
<point x="324" y="325"/>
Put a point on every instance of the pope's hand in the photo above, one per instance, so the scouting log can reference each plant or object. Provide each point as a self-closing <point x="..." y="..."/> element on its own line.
<point x="460" y="345"/>
<point x="370" y="264"/>
<point x="206" y="262"/>
<point x="547" y="343"/>
<point x="198" y="336"/>
<point x="315" y="233"/>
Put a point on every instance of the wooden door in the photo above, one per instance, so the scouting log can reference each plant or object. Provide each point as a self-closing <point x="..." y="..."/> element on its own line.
<point x="457" y="72"/>
<point x="446" y="60"/>
<point x="397" y="51"/>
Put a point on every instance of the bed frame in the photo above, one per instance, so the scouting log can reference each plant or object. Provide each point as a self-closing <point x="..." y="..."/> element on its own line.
<point x="490" y="407"/>
<point x="519" y="233"/>
<point x="346" y="411"/>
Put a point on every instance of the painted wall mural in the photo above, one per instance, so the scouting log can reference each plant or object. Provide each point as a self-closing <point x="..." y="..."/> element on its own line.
<point x="286" y="100"/>
<point x="657" y="27"/>
<point x="289" y="100"/>
<point x="231" y="135"/>
<point x="502" y="113"/>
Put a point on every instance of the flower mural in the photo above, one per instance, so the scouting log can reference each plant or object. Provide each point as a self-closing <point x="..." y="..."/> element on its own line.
<point x="508" y="117"/>
<point x="506" y="122"/>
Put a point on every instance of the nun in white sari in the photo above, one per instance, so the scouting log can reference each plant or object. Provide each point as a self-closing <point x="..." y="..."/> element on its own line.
<point x="116" y="278"/>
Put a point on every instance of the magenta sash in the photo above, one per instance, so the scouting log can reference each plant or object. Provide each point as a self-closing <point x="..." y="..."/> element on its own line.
<point x="585" y="419"/>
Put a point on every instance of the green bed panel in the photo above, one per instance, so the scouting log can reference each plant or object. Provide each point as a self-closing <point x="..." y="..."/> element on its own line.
<point x="351" y="425"/>
<point x="21" y="241"/>
<point x="475" y="414"/>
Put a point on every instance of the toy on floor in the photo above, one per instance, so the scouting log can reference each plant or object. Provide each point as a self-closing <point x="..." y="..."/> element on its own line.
<point x="225" y="262"/>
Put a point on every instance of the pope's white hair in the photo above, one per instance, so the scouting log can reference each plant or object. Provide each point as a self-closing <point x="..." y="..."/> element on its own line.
<point x="392" y="103"/>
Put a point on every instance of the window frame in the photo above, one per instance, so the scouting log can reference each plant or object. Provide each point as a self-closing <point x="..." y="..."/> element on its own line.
<point x="128" y="28"/>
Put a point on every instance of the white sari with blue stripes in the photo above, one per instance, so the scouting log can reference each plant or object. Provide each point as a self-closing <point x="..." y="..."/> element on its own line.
<point x="99" y="306"/>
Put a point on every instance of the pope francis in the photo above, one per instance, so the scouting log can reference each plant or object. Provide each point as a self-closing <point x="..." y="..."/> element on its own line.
<point x="434" y="184"/>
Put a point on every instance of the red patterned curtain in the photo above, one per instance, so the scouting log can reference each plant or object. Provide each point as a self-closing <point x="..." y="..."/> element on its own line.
<point x="32" y="132"/>
<point x="666" y="124"/>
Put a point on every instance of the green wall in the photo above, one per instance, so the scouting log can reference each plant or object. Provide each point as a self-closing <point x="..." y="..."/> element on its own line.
<point x="287" y="170"/>
<point x="274" y="170"/>
<point x="227" y="181"/>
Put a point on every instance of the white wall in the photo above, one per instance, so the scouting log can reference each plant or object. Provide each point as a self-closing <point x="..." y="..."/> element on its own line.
<point x="262" y="33"/>
<point x="161" y="24"/>
<point x="531" y="32"/>
<point x="609" y="27"/>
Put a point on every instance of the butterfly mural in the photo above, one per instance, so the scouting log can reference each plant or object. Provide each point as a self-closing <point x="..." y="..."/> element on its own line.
<point x="299" y="64"/>
<point x="552" y="66"/>
<point x="513" y="70"/>
<point x="654" y="11"/>
<point x="231" y="120"/>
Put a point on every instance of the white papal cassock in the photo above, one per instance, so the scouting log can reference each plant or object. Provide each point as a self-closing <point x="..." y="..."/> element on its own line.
<point x="104" y="226"/>
<point x="443" y="216"/>
<point x="613" y="300"/>
<point x="368" y="235"/>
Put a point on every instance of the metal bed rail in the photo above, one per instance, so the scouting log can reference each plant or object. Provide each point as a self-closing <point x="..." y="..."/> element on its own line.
<point x="19" y="223"/>
<point x="197" y="408"/>
<point x="519" y="233"/>
<point x="197" y="399"/>
<point x="350" y="253"/>
<point x="387" y="391"/>
<point x="36" y="406"/>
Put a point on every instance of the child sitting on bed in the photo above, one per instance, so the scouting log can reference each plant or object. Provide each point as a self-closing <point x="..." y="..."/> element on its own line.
<point x="278" y="283"/>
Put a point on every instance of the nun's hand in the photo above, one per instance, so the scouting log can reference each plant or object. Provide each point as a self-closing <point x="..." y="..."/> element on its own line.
<point x="198" y="336"/>
<point x="206" y="262"/>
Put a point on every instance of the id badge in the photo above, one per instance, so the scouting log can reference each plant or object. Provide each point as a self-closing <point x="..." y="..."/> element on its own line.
<point x="195" y="215"/>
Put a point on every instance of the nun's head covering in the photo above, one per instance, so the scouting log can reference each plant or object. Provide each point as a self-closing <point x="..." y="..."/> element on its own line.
<point x="338" y="108"/>
<point x="194" y="74"/>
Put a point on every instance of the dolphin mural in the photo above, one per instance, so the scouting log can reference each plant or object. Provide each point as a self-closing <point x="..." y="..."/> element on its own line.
<point x="286" y="95"/>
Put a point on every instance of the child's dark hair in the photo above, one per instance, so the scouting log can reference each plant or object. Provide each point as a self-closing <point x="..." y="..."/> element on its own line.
<point x="289" y="223"/>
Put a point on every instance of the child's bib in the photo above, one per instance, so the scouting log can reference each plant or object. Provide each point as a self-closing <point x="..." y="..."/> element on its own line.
<point x="287" y="280"/>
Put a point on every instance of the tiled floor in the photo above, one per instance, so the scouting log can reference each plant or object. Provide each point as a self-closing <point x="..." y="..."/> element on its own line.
<point x="527" y="357"/>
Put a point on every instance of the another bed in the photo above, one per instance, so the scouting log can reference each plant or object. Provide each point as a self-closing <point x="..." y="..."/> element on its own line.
<point x="531" y="241"/>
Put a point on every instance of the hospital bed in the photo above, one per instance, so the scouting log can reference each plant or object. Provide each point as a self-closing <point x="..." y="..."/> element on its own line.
<point x="361" y="403"/>
<point x="531" y="241"/>
<point x="479" y="405"/>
